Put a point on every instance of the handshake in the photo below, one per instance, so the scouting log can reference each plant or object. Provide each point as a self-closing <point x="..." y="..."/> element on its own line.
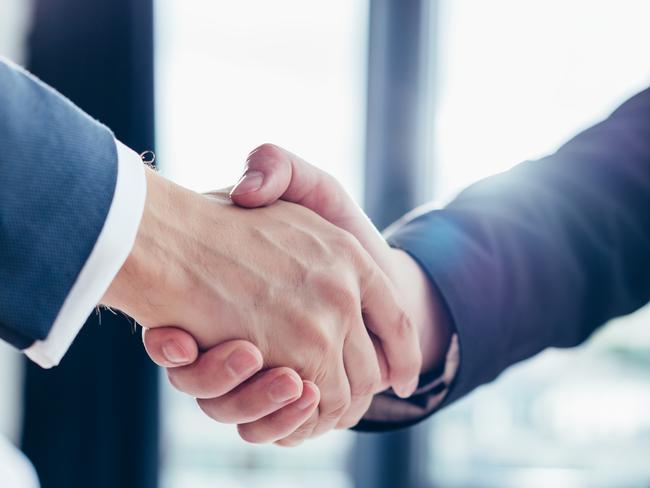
<point x="279" y="306"/>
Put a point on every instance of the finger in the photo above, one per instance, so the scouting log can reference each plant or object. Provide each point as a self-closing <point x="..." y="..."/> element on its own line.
<point x="335" y="401"/>
<point x="391" y="325"/>
<point x="302" y="433"/>
<point x="217" y="370"/>
<point x="335" y="398"/>
<point x="285" y="421"/>
<point x="170" y="347"/>
<point x="383" y="364"/>
<point x="262" y="395"/>
<point x="363" y="373"/>
<point x="288" y="177"/>
<point x="266" y="178"/>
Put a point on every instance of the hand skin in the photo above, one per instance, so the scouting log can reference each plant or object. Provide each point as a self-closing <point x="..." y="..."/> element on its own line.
<point x="211" y="377"/>
<point x="277" y="173"/>
<point x="279" y="277"/>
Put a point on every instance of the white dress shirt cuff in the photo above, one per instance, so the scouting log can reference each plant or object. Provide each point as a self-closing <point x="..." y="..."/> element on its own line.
<point x="113" y="246"/>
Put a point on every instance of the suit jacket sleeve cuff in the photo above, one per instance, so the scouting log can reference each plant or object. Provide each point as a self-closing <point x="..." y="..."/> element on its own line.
<point x="388" y="411"/>
<point x="107" y="257"/>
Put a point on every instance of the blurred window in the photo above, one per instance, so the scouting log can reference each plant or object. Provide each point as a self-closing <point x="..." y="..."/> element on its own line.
<point x="230" y="76"/>
<point x="517" y="79"/>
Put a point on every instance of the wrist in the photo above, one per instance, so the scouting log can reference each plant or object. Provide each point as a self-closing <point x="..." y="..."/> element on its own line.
<point x="138" y="273"/>
<point x="425" y="308"/>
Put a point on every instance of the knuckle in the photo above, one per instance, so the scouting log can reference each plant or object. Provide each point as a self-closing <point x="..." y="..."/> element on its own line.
<point x="404" y="329"/>
<point x="309" y="331"/>
<point x="346" y="240"/>
<point x="339" y="292"/>
<point x="348" y="246"/>
<point x="318" y="338"/>
<point x="348" y="305"/>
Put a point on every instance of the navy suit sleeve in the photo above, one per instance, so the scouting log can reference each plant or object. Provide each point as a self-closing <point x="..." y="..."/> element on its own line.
<point x="543" y="254"/>
<point x="58" y="171"/>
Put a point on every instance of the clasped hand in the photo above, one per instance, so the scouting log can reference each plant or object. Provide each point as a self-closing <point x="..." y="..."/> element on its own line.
<point x="294" y="303"/>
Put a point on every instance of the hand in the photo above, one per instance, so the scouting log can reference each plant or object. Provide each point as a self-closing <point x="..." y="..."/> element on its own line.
<point x="292" y="179"/>
<point x="271" y="406"/>
<point x="281" y="277"/>
<point x="277" y="173"/>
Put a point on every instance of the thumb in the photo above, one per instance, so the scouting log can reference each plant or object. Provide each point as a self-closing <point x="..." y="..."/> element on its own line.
<point x="170" y="347"/>
<point x="268" y="176"/>
<point x="273" y="173"/>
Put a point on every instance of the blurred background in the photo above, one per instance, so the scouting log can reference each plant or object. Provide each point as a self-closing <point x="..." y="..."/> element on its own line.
<point x="404" y="101"/>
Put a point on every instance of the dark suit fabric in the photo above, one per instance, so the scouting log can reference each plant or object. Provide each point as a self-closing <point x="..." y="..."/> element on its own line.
<point x="57" y="176"/>
<point x="544" y="254"/>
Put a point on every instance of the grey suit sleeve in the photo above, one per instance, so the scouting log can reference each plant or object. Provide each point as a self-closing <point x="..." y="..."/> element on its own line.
<point x="541" y="255"/>
<point x="58" y="171"/>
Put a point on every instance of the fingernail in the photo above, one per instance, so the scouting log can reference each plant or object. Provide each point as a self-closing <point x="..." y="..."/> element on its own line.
<point x="414" y="385"/>
<point x="283" y="388"/>
<point x="410" y="389"/>
<point x="174" y="353"/>
<point x="242" y="362"/>
<point x="306" y="400"/>
<point x="250" y="182"/>
<point x="402" y="393"/>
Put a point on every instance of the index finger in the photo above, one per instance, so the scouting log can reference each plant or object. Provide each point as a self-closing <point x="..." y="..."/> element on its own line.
<point x="392" y="327"/>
